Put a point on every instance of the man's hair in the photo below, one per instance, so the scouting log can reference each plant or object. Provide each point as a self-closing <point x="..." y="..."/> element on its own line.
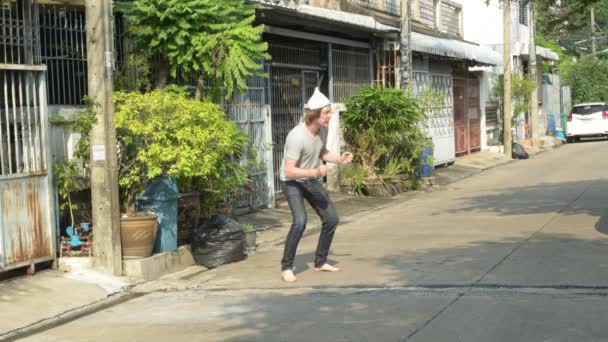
<point x="312" y="115"/>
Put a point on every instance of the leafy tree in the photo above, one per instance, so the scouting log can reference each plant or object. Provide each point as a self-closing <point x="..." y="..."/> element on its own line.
<point x="568" y="23"/>
<point x="521" y="87"/>
<point x="212" y="42"/>
<point x="589" y="80"/>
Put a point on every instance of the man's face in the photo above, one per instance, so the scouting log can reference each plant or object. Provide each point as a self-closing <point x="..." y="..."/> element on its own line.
<point x="325" y="116"/>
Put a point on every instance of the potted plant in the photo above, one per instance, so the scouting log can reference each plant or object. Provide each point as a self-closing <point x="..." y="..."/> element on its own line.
<point x="166" y="133"/>
<point x="382" y="128"/>
<point x="70" y="175"/>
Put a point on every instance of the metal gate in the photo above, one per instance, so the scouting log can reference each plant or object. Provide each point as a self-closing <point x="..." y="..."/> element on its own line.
<point x="295" y="71"/>
<point x="249" y="110"/>
<point x="290" y="88"/>
<point x="440" y="121"/>
<point x="26" y="219"/>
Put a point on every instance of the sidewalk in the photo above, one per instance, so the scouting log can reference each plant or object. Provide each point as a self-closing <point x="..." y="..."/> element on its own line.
<point x="52" y="297"/>
<point x="33" y="302"/>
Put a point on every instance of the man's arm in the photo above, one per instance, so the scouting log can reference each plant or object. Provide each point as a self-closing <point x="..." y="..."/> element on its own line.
<point x="329" y="157"/>
<point x="294" y="172"/>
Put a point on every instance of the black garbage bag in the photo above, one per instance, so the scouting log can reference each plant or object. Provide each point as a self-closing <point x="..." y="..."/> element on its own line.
<point x="218" y="241"/>
<point x="518" y="152"/>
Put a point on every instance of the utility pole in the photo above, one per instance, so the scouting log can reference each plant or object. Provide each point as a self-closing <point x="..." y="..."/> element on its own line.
<point x="593" y="42"/>
<point x="104" y="164"/>
<point x="405" y="63"/>
<point x="534" y="76"/>
<point x="507" y="77"/>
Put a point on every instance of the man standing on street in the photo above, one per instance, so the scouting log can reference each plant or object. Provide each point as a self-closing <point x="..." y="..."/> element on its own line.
<point x="301" y="172"/>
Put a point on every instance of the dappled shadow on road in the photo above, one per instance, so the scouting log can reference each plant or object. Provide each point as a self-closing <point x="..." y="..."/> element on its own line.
<point x="541" y="261"/>
<point x="568" y="198"/>
<point x="343" y="315"/>
<point x="602" y="224"/>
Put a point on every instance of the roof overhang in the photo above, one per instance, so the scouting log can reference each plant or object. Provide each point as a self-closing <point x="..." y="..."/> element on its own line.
<point x="319" y="14"/>
<point x="456" y="49"/>
<point x="544" y="53"/>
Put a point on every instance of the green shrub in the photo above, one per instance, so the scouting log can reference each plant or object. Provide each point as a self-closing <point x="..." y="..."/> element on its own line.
<point x="164" y="133"/>
<point x="382" y="126"/>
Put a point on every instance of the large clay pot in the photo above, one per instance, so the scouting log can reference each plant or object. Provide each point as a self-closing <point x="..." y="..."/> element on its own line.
<point x="138" y="233"/>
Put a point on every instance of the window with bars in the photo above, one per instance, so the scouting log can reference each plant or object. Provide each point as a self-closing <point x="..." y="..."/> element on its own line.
<point x="450" y="18"/>
<point x="426" y="12"/>
<point x="523" y="13"/>
<point x="64" y="51"/>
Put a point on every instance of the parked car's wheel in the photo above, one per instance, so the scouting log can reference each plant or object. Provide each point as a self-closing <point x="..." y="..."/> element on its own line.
<point x="570" y="140"/>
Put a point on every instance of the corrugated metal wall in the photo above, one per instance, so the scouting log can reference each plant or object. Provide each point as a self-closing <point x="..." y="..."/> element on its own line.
<point x="26" y="220"/>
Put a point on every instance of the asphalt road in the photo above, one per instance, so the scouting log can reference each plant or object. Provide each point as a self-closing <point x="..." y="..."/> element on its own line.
<point x="517" y="253"/>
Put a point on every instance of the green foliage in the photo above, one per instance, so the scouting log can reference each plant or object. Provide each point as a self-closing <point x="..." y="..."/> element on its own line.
<point x="164" y="133"/>
<point x="391" y="176"/>
<point x="67" y="175"/>
<point x="589" y="80"/>
<point x="564" y="65"/>
<point x="382" y="127"/>
<point x="357" y="177"/>
<point x="430" y="100"/>
<point x="83" y="123"/>
<point x="247" y="228"/>
<point x="568" y="24"/>
<point x="212" y="38"/>
<point x="135" y="74"/>
<point x="521" y="88"/>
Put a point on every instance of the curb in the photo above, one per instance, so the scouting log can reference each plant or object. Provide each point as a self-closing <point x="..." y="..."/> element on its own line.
<point x="68" y="316"/>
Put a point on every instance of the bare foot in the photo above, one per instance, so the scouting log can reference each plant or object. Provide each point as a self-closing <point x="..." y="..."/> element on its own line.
<point x="327" y="268"/>
<point x="288" y="276"/>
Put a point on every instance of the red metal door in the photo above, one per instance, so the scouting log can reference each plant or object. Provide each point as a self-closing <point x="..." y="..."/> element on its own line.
<point x="460" y="122"/>
<point x="473" y="115"/>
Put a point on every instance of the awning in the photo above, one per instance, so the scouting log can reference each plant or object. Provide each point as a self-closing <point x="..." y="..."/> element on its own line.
<point x="363" y="21"/>
<point x="523" y="49"/>
<point x="544" y="53"/>
<point x="455" y="49"/>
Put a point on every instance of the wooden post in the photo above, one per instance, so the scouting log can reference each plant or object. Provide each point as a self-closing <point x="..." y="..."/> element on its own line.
<point x="405" y="65"/>
<point x="534" y="76"/>
<point x="104" y="170"/>
<point x="507" y="77"/>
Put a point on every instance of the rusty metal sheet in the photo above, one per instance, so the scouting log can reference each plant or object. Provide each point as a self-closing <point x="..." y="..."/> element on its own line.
<point x="25" y="222"/>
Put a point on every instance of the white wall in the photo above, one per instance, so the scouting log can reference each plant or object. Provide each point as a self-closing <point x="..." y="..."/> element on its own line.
<point x="483" y="24"/>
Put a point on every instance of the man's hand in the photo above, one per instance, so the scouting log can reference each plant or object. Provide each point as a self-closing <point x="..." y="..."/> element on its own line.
<point x="322" y="171"/>
<point x="346" y="158"/>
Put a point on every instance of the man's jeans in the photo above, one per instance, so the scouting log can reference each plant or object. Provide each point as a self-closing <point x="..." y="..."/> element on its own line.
<point x="317" y="197"/>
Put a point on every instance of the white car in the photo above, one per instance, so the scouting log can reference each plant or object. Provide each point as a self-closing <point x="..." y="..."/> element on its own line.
<point x="587" y="120"/>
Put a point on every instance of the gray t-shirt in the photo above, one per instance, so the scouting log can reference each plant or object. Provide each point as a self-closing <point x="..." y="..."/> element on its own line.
<point x="302" y="146"/>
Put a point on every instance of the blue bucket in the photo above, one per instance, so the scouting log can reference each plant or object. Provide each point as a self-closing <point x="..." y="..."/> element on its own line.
<point x="425" y="169"/>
